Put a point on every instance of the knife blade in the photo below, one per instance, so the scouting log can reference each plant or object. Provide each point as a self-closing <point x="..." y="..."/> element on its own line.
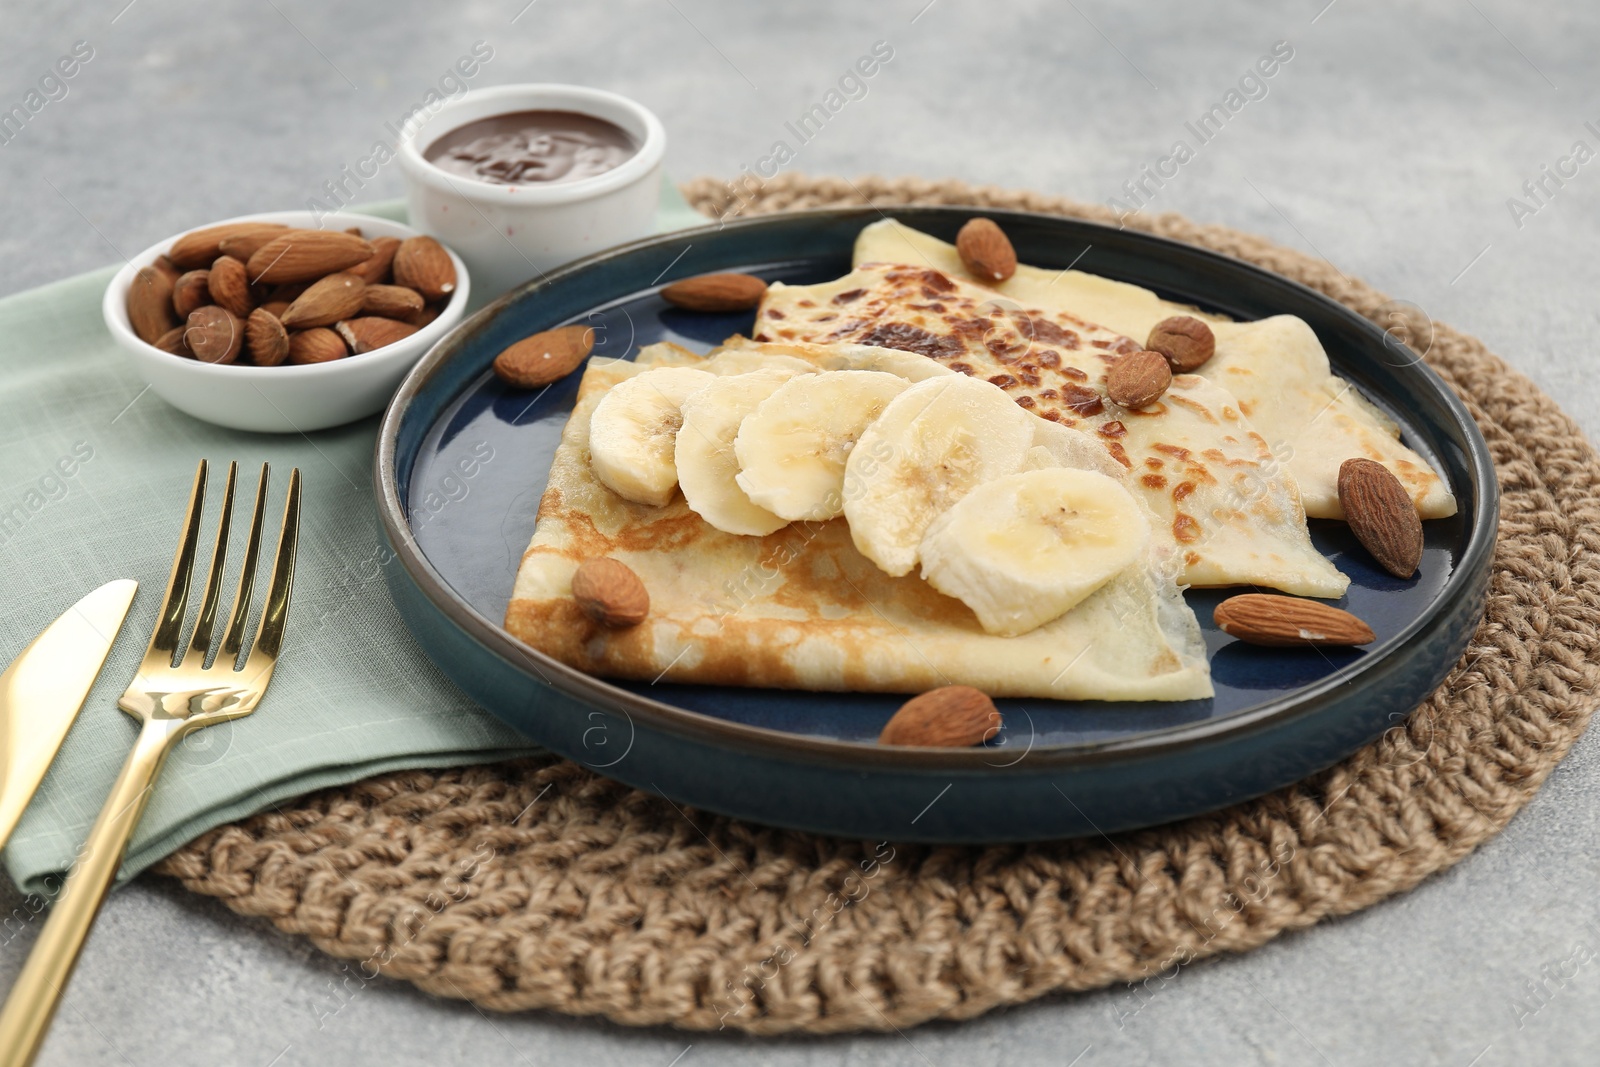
<point x="44" y="687"/>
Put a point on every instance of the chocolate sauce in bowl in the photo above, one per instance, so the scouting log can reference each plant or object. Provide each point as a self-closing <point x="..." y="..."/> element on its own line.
<point x="532" y="148"/>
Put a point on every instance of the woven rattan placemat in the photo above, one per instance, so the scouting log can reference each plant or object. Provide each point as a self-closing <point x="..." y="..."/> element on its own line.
<point x="537" y="884"/>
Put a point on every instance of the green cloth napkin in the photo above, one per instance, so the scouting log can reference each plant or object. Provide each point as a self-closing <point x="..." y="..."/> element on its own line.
<point x="94" y="474"/>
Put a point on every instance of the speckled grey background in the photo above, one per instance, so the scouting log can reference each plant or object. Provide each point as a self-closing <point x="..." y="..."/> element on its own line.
<point x="1390" y="144"/>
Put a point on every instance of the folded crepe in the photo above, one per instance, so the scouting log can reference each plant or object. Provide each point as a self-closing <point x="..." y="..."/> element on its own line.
<point x="1276" y="367"/>
<point x="1222" y="499"/>
<point x="802" y="608"/>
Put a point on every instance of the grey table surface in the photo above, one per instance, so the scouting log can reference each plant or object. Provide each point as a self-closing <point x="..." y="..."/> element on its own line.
<point x="1392" y="143"/>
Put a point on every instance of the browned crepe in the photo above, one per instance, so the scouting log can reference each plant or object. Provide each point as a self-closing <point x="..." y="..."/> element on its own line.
<point x="1218" y="494"/>
<point x="1275" y="367"/>
<point x="802" y="608"/>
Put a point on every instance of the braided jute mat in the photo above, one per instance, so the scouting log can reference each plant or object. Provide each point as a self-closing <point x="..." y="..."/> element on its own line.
<point x="537" y="884"/>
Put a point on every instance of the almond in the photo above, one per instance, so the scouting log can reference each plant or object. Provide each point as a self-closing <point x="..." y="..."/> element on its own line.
<point x="301" y="255"/>
<point x="716" y="292"/>
<point x="316" y="345"/>
<point x="199" y="247"/>
<point x="338" y="296"/>
<point x="165" y="265"/>
<point x="353" y="229"/>
<point x="242" y="246"/>
<point x="172" y="341"/>
<point x="1286" y="621"/>
<point x="421" y="263"/>
<point x="275" y="307"/>
<point x="375" y="269"/>
<point x="370" y="332"/>
<point x="952" y="716"/>
<point x="986" y="251"/>
<point x="1382" y="515"/>
<point x="391" y="301"/>
<point x="191" y="290"/>
<point x="266" y="338"/>
<point x="214" y="334"/>
<point x="544" y="357"/>
<point x="287" y="294"/>
<point x="230" y="287"/>
<point x="1184" y="340"/>
<point x="425" y="316"/>
<point x="1138" y="378"/>
<point x="610" y="594"/>
<point x="150" y="304"/>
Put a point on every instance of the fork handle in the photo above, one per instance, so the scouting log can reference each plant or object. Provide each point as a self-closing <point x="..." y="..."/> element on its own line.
<point x="38" y="990"/>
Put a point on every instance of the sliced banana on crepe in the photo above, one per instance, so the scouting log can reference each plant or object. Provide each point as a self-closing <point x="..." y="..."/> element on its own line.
<point x="1028" y="547"/>
<point x="933" y="444"/>
<point x="705" y="458"/>
<point x="792" y="450"/>
<point x="633" y="433"/>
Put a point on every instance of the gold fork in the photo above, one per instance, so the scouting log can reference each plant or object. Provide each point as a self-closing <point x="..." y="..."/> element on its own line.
<point x="171" y="702"/>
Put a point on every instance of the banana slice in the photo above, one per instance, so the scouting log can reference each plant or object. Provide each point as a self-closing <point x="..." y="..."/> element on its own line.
<point x="705" y="453"/>
<point x="932" y="445"/>
<point x="745" y="361"/>
<point x="792" y="449"/>
<point x="1055" y="445"/>
<point x="1027" y="548"/>
<point x="633" y="430"/>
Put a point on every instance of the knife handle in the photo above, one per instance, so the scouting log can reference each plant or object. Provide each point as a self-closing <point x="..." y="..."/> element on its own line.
<point x="37" y="993"/>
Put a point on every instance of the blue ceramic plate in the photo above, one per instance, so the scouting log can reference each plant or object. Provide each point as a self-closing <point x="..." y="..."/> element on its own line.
<point x="462" y="461"/>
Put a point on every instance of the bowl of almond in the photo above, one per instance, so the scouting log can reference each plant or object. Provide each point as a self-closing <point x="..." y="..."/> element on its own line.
<point x="285" y="322"/>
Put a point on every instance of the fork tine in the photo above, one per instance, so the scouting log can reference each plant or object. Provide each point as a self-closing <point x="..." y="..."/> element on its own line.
<point x="170" y="622"/>
<point x="201" y="641"/>
<point x="233" y="639"/>
<point x="274" y="615"/>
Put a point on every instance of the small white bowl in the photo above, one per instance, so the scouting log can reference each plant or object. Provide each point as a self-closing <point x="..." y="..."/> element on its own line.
<point x="283" y="399"/>
<point x="511" y="234"/>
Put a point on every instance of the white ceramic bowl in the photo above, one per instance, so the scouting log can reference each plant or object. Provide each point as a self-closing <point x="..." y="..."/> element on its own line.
<point x="511" y="234"/>
<point x="284" y="399"/>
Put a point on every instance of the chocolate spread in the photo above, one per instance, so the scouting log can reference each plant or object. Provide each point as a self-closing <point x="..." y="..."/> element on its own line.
<point x="532" y="148"/>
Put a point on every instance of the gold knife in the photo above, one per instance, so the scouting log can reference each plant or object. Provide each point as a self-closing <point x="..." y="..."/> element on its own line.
<point x="44" y="688"/>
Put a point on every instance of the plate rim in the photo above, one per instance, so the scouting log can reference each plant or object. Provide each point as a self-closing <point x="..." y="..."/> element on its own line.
<point x="600" y="693"/>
